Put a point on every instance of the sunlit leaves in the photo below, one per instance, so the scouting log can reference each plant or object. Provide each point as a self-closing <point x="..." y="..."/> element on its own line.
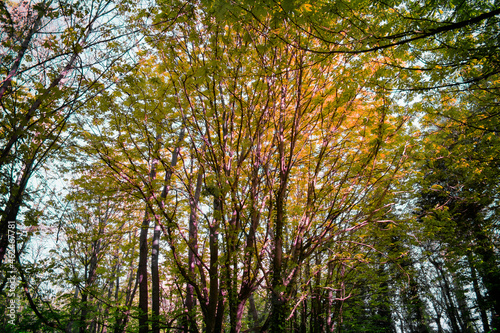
<point x="305" y="127"/>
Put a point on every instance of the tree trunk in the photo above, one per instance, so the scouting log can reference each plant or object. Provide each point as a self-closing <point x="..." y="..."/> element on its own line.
<point x="142" y="275"/>
<point x="479" y="297"/>
<point x="155" y="280"/>
<point x="214" y="316"/>
<point x="278" y="299"/>
<point x="193" y="254"/>
<point x="89" y="281"/>
<point x="253" y="315"/>
<point x="13" y="205"/>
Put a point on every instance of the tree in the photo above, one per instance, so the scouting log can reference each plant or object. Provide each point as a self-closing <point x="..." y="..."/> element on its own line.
<point x="457" y="202"/>
<point x="269" y="145"/>
<point x="52" y="54"/>
<point x="288" y="137"/>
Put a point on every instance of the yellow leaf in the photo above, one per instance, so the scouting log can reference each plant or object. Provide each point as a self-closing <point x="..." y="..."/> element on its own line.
<point x="307" y="7"/>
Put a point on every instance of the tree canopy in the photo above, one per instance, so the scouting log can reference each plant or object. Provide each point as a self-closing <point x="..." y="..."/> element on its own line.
<point x="249" y="166"/>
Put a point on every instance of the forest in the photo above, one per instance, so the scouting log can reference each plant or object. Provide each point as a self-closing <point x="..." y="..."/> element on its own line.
<point x="250" y="166"/>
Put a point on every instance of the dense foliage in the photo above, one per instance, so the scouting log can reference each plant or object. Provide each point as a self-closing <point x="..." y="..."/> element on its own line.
<point x="249" y="166"/>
